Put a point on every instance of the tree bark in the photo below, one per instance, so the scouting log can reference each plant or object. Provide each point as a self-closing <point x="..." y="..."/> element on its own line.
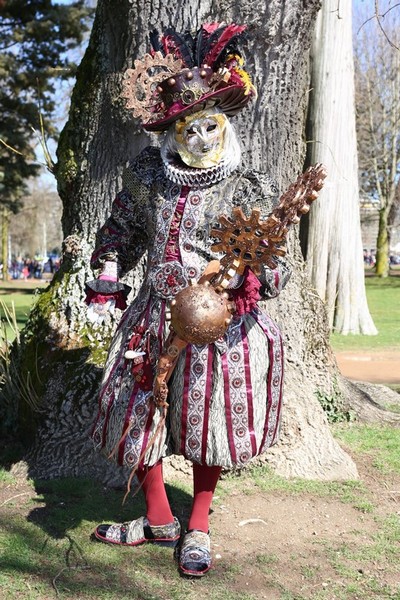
<point x="369" y="402"/>
<point x="334" y="248"/>
<point x="382" y="245"/>
<point x="5" y="222"/>
<point x="96" y="143"/>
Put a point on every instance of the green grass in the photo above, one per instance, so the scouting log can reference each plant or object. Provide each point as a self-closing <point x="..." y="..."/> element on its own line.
<point x="383" y="297"/>
<point x="21" y="303"/>
<point x="47" y="551"/>
<point x="351" y="561"/>
<point x="20" y="295"/>
<point x="265" y="480"/>
<point x="383" y="443"/>
<point x="6" y="477"/>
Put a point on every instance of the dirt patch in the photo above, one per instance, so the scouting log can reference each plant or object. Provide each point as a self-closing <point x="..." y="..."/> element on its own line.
<point x="296" y="543"/>
<point x="284" y="537"/>
<point x="376" y="367"/>
<point x="277" y="545"/>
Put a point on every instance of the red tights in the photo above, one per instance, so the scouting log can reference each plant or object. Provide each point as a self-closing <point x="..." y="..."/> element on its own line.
<point x="152" y="481"/>
<point x="205" y="480"/>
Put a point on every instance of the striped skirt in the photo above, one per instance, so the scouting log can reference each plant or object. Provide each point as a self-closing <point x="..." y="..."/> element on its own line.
<point x="224" y="398"/>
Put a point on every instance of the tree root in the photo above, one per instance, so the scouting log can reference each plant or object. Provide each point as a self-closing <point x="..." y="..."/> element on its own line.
<point x="369" y="401"/>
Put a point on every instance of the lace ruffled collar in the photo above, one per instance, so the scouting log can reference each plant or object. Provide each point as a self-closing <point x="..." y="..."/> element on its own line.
<point x="181" y="174"/>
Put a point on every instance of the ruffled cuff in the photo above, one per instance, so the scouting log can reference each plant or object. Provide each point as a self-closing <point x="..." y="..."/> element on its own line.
<point x="109" y="271"/>
<point x="100" y="291"/>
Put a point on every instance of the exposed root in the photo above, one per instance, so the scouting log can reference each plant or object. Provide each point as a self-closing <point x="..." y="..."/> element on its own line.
<point x="367" y="401"/>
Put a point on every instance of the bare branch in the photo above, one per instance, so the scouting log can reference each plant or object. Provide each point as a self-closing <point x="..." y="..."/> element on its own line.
<point x="42" y="136"/>
<point x="378" y="18"/>
<point x="11" y="148"/>
<point x="337" y="10"/>
<point x="391" y="8"/>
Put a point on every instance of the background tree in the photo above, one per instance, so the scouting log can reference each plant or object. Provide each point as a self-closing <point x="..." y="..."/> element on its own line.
<point x="35" y="37"/>
<point x="37" y="227"/>
<point x="333" y="246"/>
<point x="378" y="120"/>
<point x="96" y="143"/>
<point x="394" y="213"/>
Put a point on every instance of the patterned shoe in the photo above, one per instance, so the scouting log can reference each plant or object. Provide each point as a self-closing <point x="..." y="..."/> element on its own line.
<point x="139" y="532"/>
<point x="195" y="553"/>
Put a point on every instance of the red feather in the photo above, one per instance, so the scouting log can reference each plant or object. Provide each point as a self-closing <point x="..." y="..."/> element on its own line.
<point x="219" y="45"/>
<point x="211" y="27"/>
<point x="168" y="44"/>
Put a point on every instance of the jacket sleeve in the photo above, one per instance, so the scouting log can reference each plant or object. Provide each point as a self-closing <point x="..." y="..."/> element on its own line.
<point x="122" y="240"/>
<point x="123" y="237"/>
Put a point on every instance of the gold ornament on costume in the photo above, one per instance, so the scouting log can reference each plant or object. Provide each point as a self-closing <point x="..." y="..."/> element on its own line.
<point x="140" y="83"/>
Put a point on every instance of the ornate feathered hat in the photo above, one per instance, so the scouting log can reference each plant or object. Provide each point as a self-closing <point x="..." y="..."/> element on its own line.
<point x="186" y="73"/>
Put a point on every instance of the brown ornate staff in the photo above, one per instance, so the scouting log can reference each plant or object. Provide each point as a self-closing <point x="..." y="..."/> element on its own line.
<point x="201" y="312"/>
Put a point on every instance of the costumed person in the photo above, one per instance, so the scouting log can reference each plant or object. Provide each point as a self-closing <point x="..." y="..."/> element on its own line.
<point x="224" y="397"/>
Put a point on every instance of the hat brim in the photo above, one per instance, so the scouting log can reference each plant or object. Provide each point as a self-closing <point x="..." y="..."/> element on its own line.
<point x="230" y="100"/>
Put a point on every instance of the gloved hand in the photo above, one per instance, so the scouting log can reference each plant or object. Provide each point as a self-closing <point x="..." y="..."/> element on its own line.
<point x="97" y="312"/>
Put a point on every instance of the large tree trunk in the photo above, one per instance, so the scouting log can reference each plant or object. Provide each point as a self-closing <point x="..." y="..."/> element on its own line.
<point x="96" y="143"/>
<point x="334" y="248"/>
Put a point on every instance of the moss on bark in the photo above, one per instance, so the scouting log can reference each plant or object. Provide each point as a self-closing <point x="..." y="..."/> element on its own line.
<point x="48" y="346"/>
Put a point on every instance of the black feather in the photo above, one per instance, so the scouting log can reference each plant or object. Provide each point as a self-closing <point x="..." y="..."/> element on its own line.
<point x="184" y="44"/>
<point x="231" y="48"/>
<point x="200" y="41"/>
<point x="212" y="39"/>
<point x="187" y="36"/>
<point x="155" y="41"/>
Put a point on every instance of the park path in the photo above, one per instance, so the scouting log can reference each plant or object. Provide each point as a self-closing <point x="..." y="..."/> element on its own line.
<point x="374" y="367"/>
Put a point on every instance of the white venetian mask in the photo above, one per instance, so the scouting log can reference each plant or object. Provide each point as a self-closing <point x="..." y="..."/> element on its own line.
<point x="200" y="139"/>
